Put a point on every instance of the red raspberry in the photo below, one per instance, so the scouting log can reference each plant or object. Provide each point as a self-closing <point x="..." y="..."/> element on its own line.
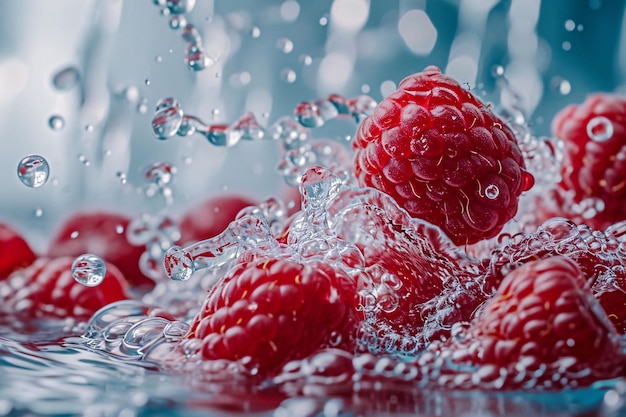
<point x="443" y="156"/>
<point x="211" y="217"/>
<point x="46" y="289"/>
<point x="543" y="329"/>
<point x="592" y="190"/>
<point x="14" y="251"/>
<point x="104" y="235"/>
<point x="273" y="310"/>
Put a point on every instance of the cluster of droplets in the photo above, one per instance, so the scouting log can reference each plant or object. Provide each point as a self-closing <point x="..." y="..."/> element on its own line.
<point x="157" y="233"/>
<point x="316" y="113"/>
<point x="195" y="57"/>
<point x="159" y="177"/>
<point x="134" y="330"/>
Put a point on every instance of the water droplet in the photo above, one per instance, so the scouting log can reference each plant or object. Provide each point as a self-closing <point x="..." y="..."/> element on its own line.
<point x="121" y="176"/>
<point x="308" y="115"/>
<point x="158" y="58"/>
<point x="89" y="128"/>
<point x="88" y="270"/>
<point x="191" y="34"/>
<point x="284" y="45"/>
<point x="497" y="71"/>
<point x="74" y="234"/>
<point x="83" y="160"/>
<point x="56" y="122"/>
<point x="222" y="135"/>
<point x="362" y="107"/>
<point x="119" y="229"/>
<point x="564" y="87"/>
<point x="249" y="127"/>
<point x="570" y="25"/>
<point x="324" y="20"/>
<point x="306" y="59"/>
<point x="196" y="59"/>
<point x="566" y="46"/>
<point x="66" y="78"/>
<point x="142" y="107"/>
<point x="147" y="81"/>
<point x="160" y="173"/>
<point x="365" y="88"/>
<point x="33" y="171"/>
<point x="178" y="264"/>
<point x="177" y="22"/>
<point x="38" y="212"/>
<point x="167" y="119"/>
<point x="600" y="129"/>
<point x="255" y="32"/>
<point x="180" y="6"/>
<point x="319" y="186"/>
<point x="492" y="191"/>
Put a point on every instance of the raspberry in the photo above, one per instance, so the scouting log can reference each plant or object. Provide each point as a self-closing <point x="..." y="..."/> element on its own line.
<point x="104" y="235"/>
<point x="592" y="190"/>
<point x="268" y="311"/>
<point x="211" y="217"/>
<point x="14" y="251"/>
<point x="543" y="329"/>
<point x="443" y="156"/>
<point x="46" y="289"/>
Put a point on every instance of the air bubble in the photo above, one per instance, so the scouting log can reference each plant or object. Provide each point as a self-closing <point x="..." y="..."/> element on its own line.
<point x="88" y="270"/>
<point x="600" y="129"/>
<point x="66" y="79"/>
<point x="492" y="191"/>
<point x="56" y="122"/>
<point x="33" y="171"/>
<point x="255" y="32"/>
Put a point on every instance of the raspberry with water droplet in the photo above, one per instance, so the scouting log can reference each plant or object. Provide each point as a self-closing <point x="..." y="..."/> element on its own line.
<point x="592" y="190"/>
<point x="46" y="289"/>
<point x="543" y="329"/>
<point x="444" y="156"/>
<point x="267" y="311"/>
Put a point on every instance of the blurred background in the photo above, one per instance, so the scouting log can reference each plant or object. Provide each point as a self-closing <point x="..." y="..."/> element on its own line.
<point x="79" y="81"/>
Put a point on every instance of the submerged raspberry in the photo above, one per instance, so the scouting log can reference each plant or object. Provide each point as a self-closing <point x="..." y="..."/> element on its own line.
<point x="444" y="156"/>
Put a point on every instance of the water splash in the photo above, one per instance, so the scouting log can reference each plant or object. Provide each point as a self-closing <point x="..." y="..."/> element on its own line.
<point x="316" y="113"/>
<point x="159" y="177"/>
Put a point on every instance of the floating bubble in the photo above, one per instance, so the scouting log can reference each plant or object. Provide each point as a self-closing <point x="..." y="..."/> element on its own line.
<point x="88" y="270"/>
<point x="284" y="45"/>
<point x="56" y="122"/>
<point x="600" y="129"/>
<point x="33" y="171"/>
<point x="66" y="79"/>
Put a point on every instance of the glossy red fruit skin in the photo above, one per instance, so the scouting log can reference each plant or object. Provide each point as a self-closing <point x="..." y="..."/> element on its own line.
<point x="439" y="152"/>
<point x="15" y="253"/>
<point x="273" y="310"/>
<point x="46" y="290"/>
<point x="211" y="217"/>
<point x="543" y="330"/>
<point x="591" y="170"/>
<point x="102" y="234"/>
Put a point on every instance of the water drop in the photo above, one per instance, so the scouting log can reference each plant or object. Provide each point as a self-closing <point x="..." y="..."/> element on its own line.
<point x="255" y="32"/>
<point x="180" y="6"/>
<point x="38" y="212"/>
<point x="362" y="107"/>
<point x="89" y="128"/>
<point x="284" y="45"/>
<point x="66" y="79"/>
<point x="570" y="25"/>
<point x="158" y="58"/>
<point x="365" y="88"/>
<point x="497" y="71"/>
<point x="492" y="191"/>
<point x="191" y="34"/>
<point x="324" y="20"/>
<point x="56" y="122"/>
<point x="288" y="75"/>
<point x="74" y="234"/>
<point x="167" y="119"/>
<point x="119" y="229"/>
<point x="33" y="171"/>
<point x="160" y="173"/>
<point x="222" y="135"/>
<point x="566" y="46"/>
<point x="178" y="264"/>
<point x="564" y="87"/>
<point x="88" y="270"/>
<point x="83" y="160"/>
<point x="308" y="115"/>
<point x="121" y="176"/>
<point x="177" y="22"/>
<point x="147" y="81"/>
<point x="600" y="129"/>
<point x="196" y="59"/>
<point x="142" y="107"/>
<point x="249" y="127"/>
<point x="306" y="59"/>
